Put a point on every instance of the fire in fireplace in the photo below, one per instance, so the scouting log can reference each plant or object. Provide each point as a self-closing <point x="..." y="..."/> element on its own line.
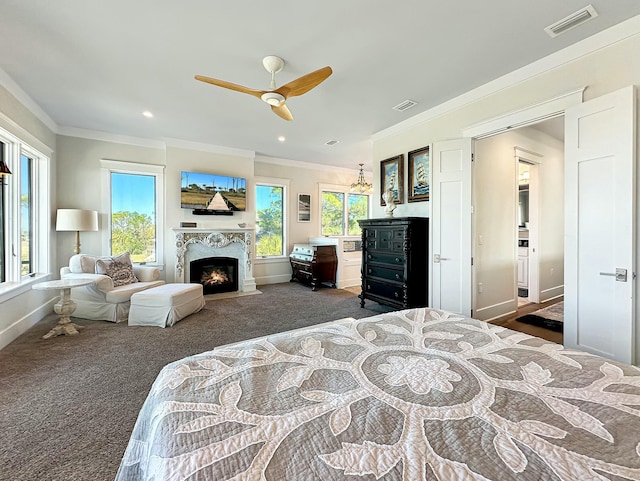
<point x="216" y="274"/>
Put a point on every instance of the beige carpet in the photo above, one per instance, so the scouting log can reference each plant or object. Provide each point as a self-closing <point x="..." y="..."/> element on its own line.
<point x="554" y="312"/>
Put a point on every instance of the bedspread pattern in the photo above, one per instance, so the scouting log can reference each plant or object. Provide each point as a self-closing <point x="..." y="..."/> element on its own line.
<point x="411" y="395"/>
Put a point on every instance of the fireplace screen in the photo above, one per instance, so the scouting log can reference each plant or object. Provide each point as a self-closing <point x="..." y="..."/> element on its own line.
<point x="216" y="274"/>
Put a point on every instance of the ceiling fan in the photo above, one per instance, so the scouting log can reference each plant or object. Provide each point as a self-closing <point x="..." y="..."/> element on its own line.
<point x="276" y="97"/>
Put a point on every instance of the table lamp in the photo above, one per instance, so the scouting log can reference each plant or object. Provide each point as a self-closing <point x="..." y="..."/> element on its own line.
<point x="77" y="220"/>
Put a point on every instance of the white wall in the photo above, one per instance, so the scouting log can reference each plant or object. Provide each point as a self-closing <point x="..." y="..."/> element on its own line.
<point x="22" y="307"/>
<point x="602" y="64"/>
<point x="495" y="200"/>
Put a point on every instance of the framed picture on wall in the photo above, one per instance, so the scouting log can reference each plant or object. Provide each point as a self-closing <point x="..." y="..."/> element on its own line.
<point x="419" y="175"/>
<point x="304" y="207"/>
<point x="392" y="178"/>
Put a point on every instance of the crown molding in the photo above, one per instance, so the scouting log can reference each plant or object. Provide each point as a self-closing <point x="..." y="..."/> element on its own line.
<point x="109" y="137"/>
<point x="203" y="147"/>
<point x="14" y="89"/>
<point x="300" y="164"/>
<point x="618" y="33"/>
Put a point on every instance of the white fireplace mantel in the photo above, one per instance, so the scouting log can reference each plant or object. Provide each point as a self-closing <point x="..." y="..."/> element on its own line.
<point x="221" y="241"/>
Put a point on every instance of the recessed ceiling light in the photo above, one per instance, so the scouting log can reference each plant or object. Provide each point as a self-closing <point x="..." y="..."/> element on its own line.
<point x="281" y="138"/>
<point x="147" y="114"/>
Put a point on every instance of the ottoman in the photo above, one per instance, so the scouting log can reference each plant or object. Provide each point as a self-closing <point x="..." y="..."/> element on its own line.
<point x="165" y="305"/>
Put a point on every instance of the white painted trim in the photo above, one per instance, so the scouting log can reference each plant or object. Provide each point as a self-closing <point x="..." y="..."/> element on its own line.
<point x="547" y="109"/>
<point x="495" y="311"/>
<point x="300" y="164"/>
<point x="552" y="293"/>
<point x="617" y="33"/>
<point x="109" y="137"/>
<point x="527" y="155"/>
<point x="277" y="279"/>
<point x="19" y="327"/>
<point x="202" y="147"/>
<point x="19" y="134"/>
<point x="14" y="89"/>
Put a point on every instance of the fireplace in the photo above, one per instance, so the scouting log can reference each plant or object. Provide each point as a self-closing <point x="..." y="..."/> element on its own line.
<point x="198" y="243"/>
<point x="216" y="274"/>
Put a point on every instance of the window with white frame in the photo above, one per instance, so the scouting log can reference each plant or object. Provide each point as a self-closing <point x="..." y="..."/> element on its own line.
<point x="134" y="201"/>
<point x="271" y="218"/>
<point x="24" y="212"/>
<point x="341" y="210"/>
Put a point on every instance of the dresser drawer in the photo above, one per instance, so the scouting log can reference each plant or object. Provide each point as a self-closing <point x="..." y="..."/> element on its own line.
<point x="390" y="291"/>
<point x="382" y="258"/>
<point x="390" y="273"/>
<point x="301" y="266"/>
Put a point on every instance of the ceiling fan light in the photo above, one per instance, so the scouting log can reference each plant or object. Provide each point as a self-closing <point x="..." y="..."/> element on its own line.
<point x="273" y="98"/>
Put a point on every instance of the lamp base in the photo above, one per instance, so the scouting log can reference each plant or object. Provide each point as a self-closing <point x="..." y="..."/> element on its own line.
<point x="77" y="248"/>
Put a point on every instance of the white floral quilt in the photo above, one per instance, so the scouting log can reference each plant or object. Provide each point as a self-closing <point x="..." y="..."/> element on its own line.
<point x="411" y="395"/>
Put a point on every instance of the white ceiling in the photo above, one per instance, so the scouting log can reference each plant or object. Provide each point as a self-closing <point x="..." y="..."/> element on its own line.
<point x="97" y="65"/>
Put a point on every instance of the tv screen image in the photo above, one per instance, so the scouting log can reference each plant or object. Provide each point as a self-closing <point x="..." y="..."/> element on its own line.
<point x="212" y="192"/>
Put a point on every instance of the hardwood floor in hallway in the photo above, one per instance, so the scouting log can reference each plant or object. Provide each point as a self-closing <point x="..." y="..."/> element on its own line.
<point x="510" y="322"/>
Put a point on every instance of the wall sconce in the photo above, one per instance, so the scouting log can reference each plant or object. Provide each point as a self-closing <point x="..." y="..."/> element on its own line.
<point x="4" y="170"/>
<point x="77" y="220"/>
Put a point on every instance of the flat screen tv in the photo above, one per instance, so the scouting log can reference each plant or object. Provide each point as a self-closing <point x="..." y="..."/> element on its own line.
<point x="219" y="193"/>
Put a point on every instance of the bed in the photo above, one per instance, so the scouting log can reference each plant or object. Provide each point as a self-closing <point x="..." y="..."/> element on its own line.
<point x="418" y="394"/>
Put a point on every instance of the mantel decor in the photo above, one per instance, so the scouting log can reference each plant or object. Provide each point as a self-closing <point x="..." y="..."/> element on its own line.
<point x="392" y="178"/>
<point x="419" y="175"/>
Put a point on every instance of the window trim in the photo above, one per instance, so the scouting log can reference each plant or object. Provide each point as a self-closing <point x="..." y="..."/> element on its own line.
<point x="273" y="182"/>
<point x="15" y="283"/>
<point x="342" y="189"/>
<point x="122" y="167"/>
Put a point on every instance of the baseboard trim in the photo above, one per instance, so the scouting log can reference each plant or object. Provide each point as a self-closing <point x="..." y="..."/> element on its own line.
<point x="277" y="279"/>
<point x="496" y="311"/>
<point x="552" y="293"/>
<point x="22" y="325"/>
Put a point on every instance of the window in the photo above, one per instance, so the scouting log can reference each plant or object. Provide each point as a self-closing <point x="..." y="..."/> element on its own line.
<point x="135" y="206"/>
<point x="270" y="219"/>
<point x="24" y="214"/>
<point x="26" y="218"/>
<point x="341" y="210"/>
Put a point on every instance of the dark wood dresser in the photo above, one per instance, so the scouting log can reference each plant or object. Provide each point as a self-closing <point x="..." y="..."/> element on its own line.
<point x="314" y="264"/>
<point x="394" y="261"/>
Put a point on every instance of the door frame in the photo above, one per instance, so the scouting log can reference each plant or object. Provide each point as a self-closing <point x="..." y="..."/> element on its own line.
<point x="532" y="114"/>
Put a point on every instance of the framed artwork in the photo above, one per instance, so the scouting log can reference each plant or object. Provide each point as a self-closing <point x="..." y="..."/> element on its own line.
<point x="392" y="177"/>
<point x="304" y="207"/>
<point x="419" y="175"/>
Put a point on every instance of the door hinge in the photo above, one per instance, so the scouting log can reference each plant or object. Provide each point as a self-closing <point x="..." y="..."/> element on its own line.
<point x="472" y="261"/>
<point x="473" y="157"/>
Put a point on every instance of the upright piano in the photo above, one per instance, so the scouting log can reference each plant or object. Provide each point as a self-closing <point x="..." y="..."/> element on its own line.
<point x="314" y="264"/>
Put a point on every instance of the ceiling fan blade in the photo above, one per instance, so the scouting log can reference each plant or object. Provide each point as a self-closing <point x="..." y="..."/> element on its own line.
<point x="282" y="111"/>
<point x="305" y="83"/>
<point x="230" y="86"/>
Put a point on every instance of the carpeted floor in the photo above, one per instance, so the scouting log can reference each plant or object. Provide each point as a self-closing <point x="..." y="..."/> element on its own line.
<point x="68" y="404"/>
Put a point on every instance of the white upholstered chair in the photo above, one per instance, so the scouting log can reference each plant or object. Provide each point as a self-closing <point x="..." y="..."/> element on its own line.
<point x="103" y="300"/>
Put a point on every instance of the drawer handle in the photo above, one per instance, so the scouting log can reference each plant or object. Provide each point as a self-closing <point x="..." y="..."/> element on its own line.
<point x="368" y="256"/>
<point x="396" y="295"/>
<point x="397" y="276"/>
<point x="368" y="271"/>
<point x="397" y="259"/>
<point x="368" y="287"/>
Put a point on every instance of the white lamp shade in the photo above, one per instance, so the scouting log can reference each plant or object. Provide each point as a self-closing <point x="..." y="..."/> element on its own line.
<point x="77" y="220"/>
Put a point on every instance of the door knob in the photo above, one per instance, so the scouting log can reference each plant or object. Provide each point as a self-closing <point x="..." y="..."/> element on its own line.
<point x="620" y="274"/>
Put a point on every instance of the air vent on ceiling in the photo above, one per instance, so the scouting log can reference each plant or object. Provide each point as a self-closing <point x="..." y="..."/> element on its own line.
<point x="331" y="142"/>
<point x="567" y="23"/>
<point x="405" y="105"/>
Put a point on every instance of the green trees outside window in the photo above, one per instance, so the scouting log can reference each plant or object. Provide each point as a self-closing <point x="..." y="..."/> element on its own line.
<point x="335" y="210"/>
<point x="269" y="222"/>
<point x="133" y="216"/>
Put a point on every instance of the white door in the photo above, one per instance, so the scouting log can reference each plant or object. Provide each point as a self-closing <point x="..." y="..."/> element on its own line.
<point x="600" y="225"/>
<point x="451" y="226"/>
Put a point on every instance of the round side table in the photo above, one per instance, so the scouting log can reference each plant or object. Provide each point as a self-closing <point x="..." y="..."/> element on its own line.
<point x="65" y="306"/>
